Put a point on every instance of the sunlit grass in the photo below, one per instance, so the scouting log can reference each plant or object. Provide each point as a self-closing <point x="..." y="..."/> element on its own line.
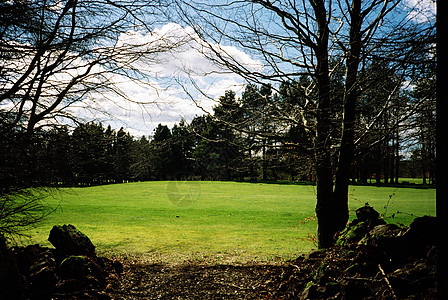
<point x="225" y="221"/>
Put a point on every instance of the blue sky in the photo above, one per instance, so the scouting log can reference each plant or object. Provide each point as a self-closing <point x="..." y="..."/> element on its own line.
<point x="166" y="94"/>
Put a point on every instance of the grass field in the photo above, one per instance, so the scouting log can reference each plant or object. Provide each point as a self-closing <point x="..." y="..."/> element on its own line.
<point x="219" y="221"/>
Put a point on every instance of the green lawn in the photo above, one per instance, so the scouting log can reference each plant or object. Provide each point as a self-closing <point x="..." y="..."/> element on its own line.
<point x="225" y="221"/>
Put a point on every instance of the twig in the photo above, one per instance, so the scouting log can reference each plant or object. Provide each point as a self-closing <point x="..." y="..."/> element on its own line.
<point x="362" y="279"/>
<point x="387" y="281"/>
<point x="234" y="286"/>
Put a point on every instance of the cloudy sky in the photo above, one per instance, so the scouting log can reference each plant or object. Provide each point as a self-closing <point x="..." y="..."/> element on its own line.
<point x="172" y="80"/>
<point x="162" y="96"/>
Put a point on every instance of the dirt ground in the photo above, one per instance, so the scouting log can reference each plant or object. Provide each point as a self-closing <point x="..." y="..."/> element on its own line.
<point x="189" y="281"/>
<point x="352" y="273"/>
<point x="332" y="274"/>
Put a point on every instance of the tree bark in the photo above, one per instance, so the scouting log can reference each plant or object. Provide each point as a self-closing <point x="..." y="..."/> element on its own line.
<point x="322" y="141"/>
<point x="346" y="150"/>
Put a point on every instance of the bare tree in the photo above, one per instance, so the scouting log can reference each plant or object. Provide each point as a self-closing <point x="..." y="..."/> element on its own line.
<point x="295" y="38"/>
<point x="55" y="57"/>
<point x="57" y="54"/>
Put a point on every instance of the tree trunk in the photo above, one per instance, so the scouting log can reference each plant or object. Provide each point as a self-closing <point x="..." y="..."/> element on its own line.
<point x="346" y="150"/>
<point x="264" y="161"/>
<point x="397" y="156"/>
<point x="322" y="140"/>
<point x="324" y="180"/>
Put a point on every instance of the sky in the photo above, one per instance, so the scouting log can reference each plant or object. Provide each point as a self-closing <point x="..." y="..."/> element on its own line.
<point x="166" y="95"/>
<point x="174" y="79"/>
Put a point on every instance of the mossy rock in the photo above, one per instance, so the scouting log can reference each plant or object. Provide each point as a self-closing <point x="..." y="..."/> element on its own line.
<point x="379" y="234"/>
<point x="367" y="219"/>
<point x="353" y="233"/>
<point x="70" y="241"/>
<point x="74" y="267"/>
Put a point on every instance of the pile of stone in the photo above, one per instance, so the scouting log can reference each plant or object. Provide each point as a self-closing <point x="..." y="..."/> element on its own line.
<point x="70" y="270"/>
<point x="375" y="260"/>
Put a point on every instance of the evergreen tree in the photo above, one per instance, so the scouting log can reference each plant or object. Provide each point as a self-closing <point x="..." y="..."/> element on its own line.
<point x="182" y="151"/>
<point x="122" y="161"/>
<point x="141" y="168"/>
<point x="91" y="162"/>
<point x="162" y="153"/>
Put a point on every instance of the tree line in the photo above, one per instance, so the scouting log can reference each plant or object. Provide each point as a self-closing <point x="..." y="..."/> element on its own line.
<point x="251" y="137"/>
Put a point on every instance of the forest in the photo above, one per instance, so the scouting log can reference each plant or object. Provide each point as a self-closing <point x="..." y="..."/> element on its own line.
<point x="245" y="139"/>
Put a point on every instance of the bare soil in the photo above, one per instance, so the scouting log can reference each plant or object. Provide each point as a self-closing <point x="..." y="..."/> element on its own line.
<point x="190" y="281"/>
<point x="331" y="274"/>
<point x="337" y="273"/>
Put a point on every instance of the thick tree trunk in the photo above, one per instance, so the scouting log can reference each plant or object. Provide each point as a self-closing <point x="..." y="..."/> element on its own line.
<point x="324" y="170"/>
<point x="324" y="187"/>
<point x="346" y="150"/>
<point x="322" y="141"/>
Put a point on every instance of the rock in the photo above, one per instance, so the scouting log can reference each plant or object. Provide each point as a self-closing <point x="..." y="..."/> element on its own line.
<point x="353" y="233"/>
<point x="424" y="230"/>
<point x="42" y="279"/>
<point x="366" y="213"/>
<point x="367" y="219"/>
<point x="10" y="279"/>
<point x="82" y="277"/>
<point x="74" y="267"/>
<point x="403" y="244"/>
<point x="70" y="241"/>
<point x="389" y="230"/>
<point x="372" y="251"/>
<point x="88" y="271"/>
<point x="47" y="272"/>
<point x="423" y="233"/>
<point x="42" y="275"/>
<point x="38" y="265"/>
<point x="380" y="235"/>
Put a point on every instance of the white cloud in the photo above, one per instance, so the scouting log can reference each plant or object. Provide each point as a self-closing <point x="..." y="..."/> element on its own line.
<point x="157" y="94"/>
<point x="160" y="96"/>
<point x="145" y="107"/>
<point x="174" y="59"/>
<point x="187" y="54"/>
<point x="421" y="11"/>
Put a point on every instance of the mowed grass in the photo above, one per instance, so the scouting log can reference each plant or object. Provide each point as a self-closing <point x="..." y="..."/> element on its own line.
<point x="220" y="221"/>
